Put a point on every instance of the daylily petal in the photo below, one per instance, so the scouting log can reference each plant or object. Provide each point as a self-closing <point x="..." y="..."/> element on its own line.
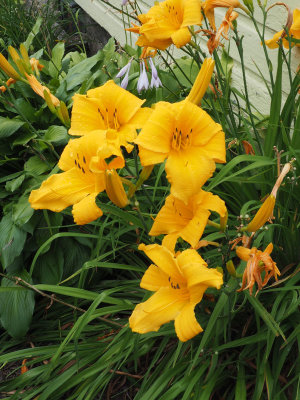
<point x="118" y="98"/>
<point x="165" y="298"/>
<point x="86" y="210"/>
<point x="140" y="117"/>
<point x="215" y="148"/>
<point x="149" y="157"/>
<point x="192" y="13"/>
<point x="190" y="256"/>
<point x="85" y="116"/>
<point x="169" y="241"/>
<point x="243" y="253"/>
<point x="81" y="150"/>
<point x="163" y="258"/>
<point x="193" y="231"/>
<point x="212" y="202"/>
<point x="181" y="37"/>
<point x="157" y="133"/>
<point x="187" y="172"/>
<point x="154" y="278"/>
<point x="186" y="325"/>
<point x="171" y="218"/>
<point x="162" y="309"/>
<point x="61" y="190"/>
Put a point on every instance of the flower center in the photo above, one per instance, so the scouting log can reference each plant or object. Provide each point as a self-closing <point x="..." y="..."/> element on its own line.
<point x="174" y="285"/>
<point x="181" y="140"/>
<point x="110" y="118"/>
<point x="81" y="163"/>
<point x="173" y="15"/>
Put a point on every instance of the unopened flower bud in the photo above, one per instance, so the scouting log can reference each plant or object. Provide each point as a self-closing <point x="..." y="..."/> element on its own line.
<point x="115" y="189"/>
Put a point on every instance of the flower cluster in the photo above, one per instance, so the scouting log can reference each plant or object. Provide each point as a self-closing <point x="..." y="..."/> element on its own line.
<point x="183" y="136"/>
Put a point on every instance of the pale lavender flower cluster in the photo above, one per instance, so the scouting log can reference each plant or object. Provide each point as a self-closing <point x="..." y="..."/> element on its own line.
<point x="124" y="2"/>
<point x="124" y="71"/>
<point x="143" y="82"/>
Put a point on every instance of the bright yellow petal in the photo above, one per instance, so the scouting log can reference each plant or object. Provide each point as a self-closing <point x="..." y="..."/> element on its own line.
<point x="172" y="217"/>
<point x="161" y="308"/>
<point x="154" y="278"/>
<point x="141" y="117"/>
<point x="192" y="13"/>
<point x="85" y="116"/>
<point x="272" y="43"/>
<point x="149" y="157"/>
<point x="164" y="259"/>
<point x="211" y="202"/>
<point x="113" y="96"/>
<point x="169" y="241"/>
<point x="186" y="325"/>
<point x="181" y="37"/>
<point x="215" y="148"/>
<point x="243" y="253"/>
<point x="295" y="28"/>
<point x="61" y="190"/>
<point x="190" y="256"/>
<point x="197" y="273"/>
<point x="193" y="231"/>
<point x="157" y="132"/>
<point x="187" y="172"/>
<point x="82" y="150"/>
<point x="86" y="210"/>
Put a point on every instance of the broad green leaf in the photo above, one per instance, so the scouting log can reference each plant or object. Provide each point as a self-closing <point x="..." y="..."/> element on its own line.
<point x="14" y="184"/>
<point x="49" y="267"/>
<point x="57" y="134"/>
<point x="16" y="306"/>
<point x="24" y="138"/>
<point x="36" y="166"/>
<point x="9" y="126"/>
<point x="22" y="211"/>
<point x="57" y="55"/>
<point x="12" y="240"/>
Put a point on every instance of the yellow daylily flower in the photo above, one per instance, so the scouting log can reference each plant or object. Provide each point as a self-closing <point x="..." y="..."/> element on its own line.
<point x="294" y="32"/>
<point x="109" y="107"/>
<point x="167" y="22"/>
<point x="84" y="177"/>
<point x="257" y="262"/>
<point x="187" y="221"/>
<point x="38" y="88"/>
<point x="210" y="5"/>
<point x="189" y="139"/>
<point x="179" y="283"/>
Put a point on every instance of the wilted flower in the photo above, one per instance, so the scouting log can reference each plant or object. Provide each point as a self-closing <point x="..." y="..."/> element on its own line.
<point x="257" y="262"/>
<point x="215" y="38"/>
<point x="143" y="82"/>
